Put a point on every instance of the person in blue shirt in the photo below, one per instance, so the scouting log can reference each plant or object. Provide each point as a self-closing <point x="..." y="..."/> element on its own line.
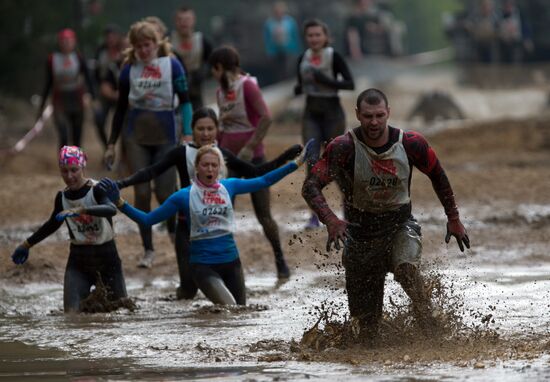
<point x="149" y="80"/>
<point x="207" y="205"/>
<point x="282" y="40"/>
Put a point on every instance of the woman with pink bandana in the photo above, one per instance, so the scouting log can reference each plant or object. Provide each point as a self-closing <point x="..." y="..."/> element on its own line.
<point x="88" y="213"/>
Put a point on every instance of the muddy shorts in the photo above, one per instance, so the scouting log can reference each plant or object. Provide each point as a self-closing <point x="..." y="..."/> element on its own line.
<point x="384" y="253"/>
<point x="368" y="261"/>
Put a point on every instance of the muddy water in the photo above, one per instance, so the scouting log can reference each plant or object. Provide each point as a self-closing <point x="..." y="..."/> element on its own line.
<point x="192" y="339"/>
<point x="500" y="288"/>
<point x="174" y="340"/>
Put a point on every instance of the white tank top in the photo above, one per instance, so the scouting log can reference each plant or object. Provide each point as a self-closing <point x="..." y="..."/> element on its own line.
<point x="381" y="181"/>
<point x="192" y="55"/>
<point x="66" y="71"/>
<point x="233" y="117"/>
<point x="211" y="212"/>
<point x="323" y="63"/>
<point x="151" y="85"/>
<point x="87" y="229"/>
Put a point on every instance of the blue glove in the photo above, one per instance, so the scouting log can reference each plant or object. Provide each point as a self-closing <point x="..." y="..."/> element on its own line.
<point x="20" y="255"/>
<point x="66" y="214"/>
<point x="110" y="188"/>
<point x="307" y="153"/>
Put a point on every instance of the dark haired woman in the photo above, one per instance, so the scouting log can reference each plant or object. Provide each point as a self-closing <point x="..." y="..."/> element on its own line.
<point x="321" y="73"/>
<point x="244" y="121"/>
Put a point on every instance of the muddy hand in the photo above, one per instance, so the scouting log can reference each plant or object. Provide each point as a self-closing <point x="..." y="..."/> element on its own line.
<point x="337" y="232"/>
<point x="456" y="229"/>
<point x="110" y="188"/>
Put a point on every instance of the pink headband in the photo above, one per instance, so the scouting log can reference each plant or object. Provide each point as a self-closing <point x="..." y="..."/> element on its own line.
<point x="72" y="155"/>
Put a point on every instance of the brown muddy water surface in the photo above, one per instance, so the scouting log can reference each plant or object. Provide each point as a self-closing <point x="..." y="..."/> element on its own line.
<point x="493" y="301"/>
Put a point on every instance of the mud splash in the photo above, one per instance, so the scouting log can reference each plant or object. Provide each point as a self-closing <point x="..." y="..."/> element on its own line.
<point x="464" y="337"/>
<point x="101" y="301"/>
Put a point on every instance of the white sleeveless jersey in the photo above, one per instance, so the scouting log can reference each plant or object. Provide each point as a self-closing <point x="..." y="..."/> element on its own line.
<point x="191" y="57"/>
<point x="233" y="118"/>
<point x="87" y="229"/>
<point x="190" y="156"/>
<point x="151" y="85"/>
<point x="211" y="212"/>
<point x="323" y="63"/>
<point x="381" y="181"/>
<point x="66" y="71"/>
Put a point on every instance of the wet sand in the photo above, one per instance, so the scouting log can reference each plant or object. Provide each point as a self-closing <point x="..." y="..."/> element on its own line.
<point x="499" y="171"/>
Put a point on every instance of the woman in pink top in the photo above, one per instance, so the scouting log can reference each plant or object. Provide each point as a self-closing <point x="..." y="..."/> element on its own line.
<point x="244" y="121"/>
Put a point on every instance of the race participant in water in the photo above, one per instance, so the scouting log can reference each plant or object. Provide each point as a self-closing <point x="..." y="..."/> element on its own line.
<point x="372" y="165"/>
<point x="205" y="129"/>
<point x="207" y="205"/>
<point x="93" y="255"/>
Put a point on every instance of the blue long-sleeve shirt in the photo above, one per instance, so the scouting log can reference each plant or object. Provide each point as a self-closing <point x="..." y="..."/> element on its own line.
<point x="213" y="250"/>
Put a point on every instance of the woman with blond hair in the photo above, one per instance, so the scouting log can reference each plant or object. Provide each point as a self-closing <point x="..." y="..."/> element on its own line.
<point x="148" y="82"/>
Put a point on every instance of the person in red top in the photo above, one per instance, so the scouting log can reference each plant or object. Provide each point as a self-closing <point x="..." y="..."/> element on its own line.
<point x="372" y="165"/>
<point x="65" y="76"/>
<point x="244" y="121"/>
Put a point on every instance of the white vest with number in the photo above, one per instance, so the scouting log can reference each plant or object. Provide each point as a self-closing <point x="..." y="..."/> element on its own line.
<point x="211" y="212"/>
<point x="66" y="71"/>
<point x="381" y="181"/>
<point x="151" y="85"/>
<point x="87" y="229"/>
<point x="233" y="117"/>
<point x="323" y="63"/>
<point x="192" y="55"/>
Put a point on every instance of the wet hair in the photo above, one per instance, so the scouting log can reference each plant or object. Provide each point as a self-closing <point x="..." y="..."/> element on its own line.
<point x="204" y="112"/>
<point x="316" y="23"/>
<point x="228" y="58"/>
<point x="145" y="30"/>
<point x="211" y="149"/>
<point x="372" y="96"/>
